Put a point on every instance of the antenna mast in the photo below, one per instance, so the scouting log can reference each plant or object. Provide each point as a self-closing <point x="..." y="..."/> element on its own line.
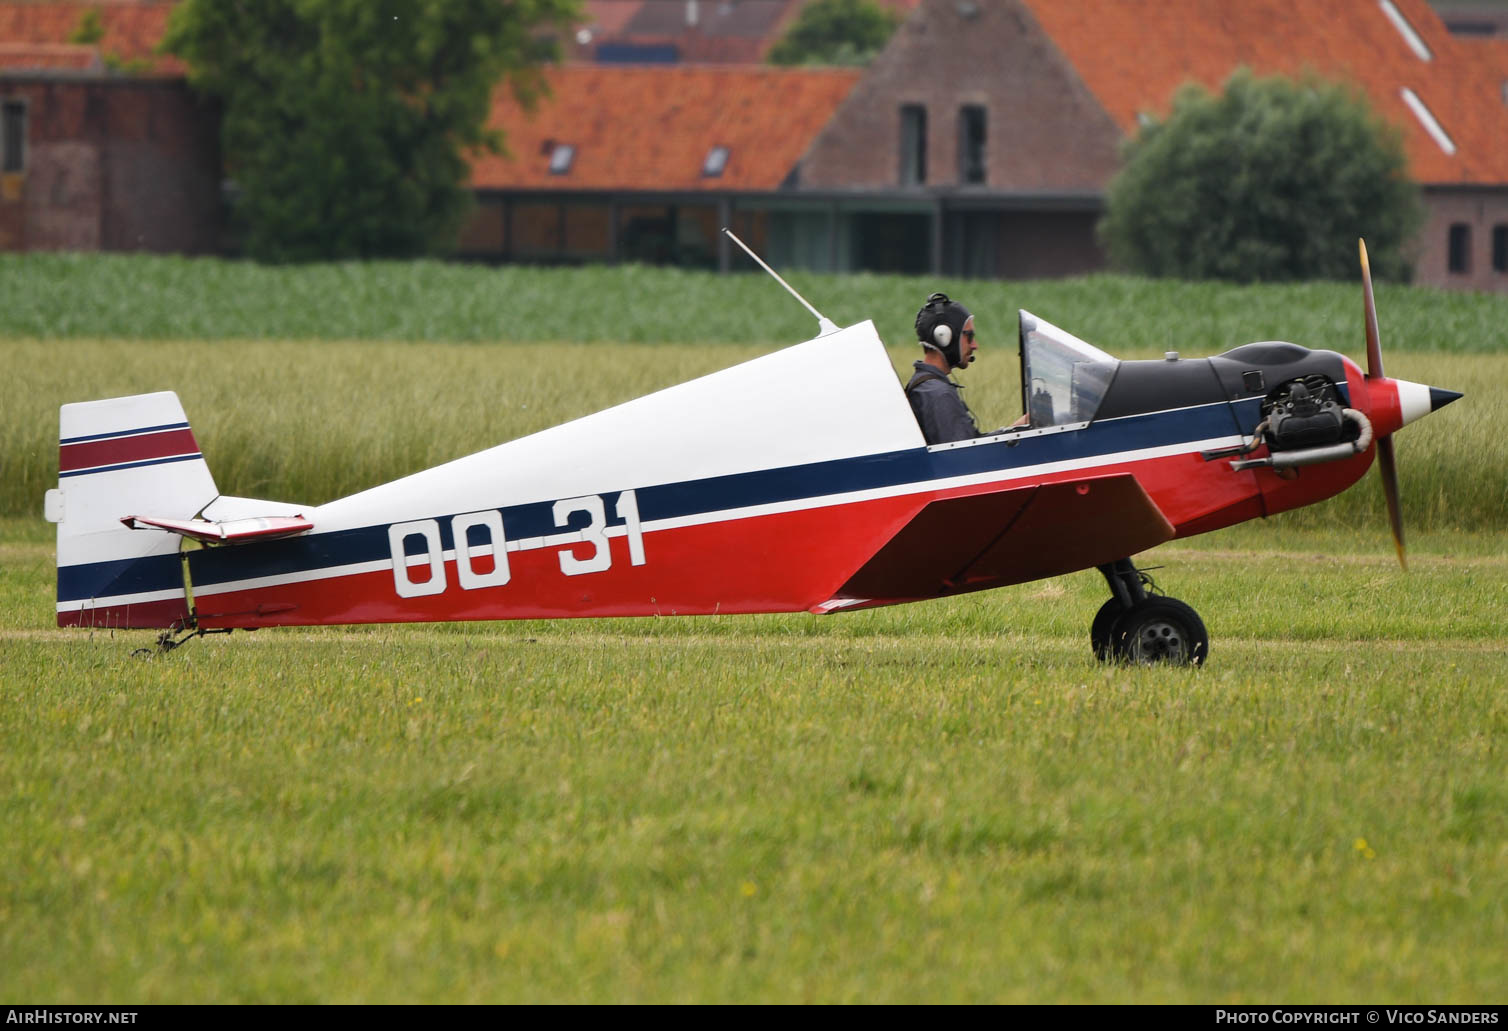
<point x="824" y="324"/>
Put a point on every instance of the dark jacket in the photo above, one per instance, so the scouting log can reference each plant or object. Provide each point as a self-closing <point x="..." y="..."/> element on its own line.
<point x="939" y="409"/>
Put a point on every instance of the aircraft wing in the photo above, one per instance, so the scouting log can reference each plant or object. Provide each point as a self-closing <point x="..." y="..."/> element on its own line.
<point x="992" y="539"/>
<point x="229" y="531"/>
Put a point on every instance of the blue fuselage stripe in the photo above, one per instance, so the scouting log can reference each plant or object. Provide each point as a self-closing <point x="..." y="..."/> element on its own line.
<point x="128" y="465"/>
<point x="677" y="500"/>
<point x="125" y="433"/>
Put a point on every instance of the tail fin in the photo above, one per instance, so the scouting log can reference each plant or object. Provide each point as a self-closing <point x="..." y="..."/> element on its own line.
<point x="118" y="458"/>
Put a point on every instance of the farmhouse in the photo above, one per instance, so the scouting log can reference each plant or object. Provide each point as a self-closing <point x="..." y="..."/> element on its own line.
<point x="979" y="143"/>
<point x="91" y="161"/>
<point x="95" y="157"/>
<point x="646" y="163"/>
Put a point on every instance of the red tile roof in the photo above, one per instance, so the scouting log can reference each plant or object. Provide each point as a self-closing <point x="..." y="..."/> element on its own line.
<point x="132" y="29"/>
<point x="1133" y="55"/>
<point x="50" y="56"/>
<point x="650" y="128"/>
<point x="607" y="17"/>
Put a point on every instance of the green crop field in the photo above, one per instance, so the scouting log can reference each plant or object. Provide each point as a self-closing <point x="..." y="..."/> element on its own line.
<point x="940" y="802"/>
<point x="155" y="298"/>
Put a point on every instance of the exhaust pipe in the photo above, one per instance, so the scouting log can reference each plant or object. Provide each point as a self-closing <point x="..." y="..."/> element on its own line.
<point x="1317" y="455"/>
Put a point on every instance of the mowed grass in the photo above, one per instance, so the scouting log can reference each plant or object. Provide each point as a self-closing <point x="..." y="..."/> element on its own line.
<point x="940" y="802"/>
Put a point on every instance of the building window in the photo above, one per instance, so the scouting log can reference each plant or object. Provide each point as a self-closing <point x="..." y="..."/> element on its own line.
<point x="13" y="136"/>
<point x="1500" y="248"/>
<point x="1459" y="249"/>
<point x="561" y="158"/>
<point x="913" y="145"/>
<point x="972" y="133"/>
<point x="717" y="160"/>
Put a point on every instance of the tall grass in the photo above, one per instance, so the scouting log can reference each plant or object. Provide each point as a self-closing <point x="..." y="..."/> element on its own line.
<point x="166" y="298"/>
<point x="309" y="423"/>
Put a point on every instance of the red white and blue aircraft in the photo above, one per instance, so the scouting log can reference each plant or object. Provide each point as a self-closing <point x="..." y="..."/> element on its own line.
<point x="795" y="492"/>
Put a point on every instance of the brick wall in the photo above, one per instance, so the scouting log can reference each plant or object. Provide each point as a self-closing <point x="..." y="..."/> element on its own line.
<point x="112" y="164"/>
<point x="1045" y="132"/>
<point x="1481" y="210"/>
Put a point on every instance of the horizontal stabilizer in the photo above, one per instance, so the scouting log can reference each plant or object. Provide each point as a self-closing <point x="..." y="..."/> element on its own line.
<point x="230" y="531"/>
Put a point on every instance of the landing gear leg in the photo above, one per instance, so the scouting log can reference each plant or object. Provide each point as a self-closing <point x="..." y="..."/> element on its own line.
<point x="1138" y="626"/>
<point x="1127" y="589"/>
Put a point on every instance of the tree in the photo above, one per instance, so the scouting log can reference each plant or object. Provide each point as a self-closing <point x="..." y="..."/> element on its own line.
<point x="836" y="32"/>
<point x="346" y="123"/>
<point x="1272" y="180"/>
<point x="89" y="31"/>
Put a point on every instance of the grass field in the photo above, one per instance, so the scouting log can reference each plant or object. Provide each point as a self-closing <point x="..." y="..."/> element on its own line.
<point x="158" y="298"/>
<point x="939" y="802"/>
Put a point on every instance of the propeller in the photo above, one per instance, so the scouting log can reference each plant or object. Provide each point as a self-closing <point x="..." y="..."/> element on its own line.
<point x="1386" y="465"/>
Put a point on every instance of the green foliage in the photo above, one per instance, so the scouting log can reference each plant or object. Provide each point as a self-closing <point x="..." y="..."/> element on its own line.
<point x="62" y="296"/>
<point x="1271" y="180"/>
<point x="90" y="28"/>
<point x="90" y="31"/>
<point x="845" y="32"/>
<point x="346" y="122"/>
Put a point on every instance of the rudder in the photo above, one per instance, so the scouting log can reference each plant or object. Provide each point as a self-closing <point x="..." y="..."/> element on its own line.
<point x="121" y="457"/>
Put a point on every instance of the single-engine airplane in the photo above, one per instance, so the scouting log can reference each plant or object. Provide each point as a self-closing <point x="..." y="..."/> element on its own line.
<point x="794" y="491"/>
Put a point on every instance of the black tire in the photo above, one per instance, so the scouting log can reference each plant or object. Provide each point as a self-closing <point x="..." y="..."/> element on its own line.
<point x="1161" y="630"/>
<point x="1102" y="630"/>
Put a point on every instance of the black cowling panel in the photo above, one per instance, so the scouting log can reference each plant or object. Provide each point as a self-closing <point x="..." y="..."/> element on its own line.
<point x="1158" y="385"/>
<point x="1277" y="362"/>
<point x="1252" y="370"/>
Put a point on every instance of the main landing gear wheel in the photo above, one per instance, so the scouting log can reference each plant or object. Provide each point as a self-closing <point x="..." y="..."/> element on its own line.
<point x="1160" y="630"/>
<point x="1101" y="631"/>
<point x="1141" y="627"/>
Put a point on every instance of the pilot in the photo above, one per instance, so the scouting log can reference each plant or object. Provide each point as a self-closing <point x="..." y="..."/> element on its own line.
<point x="945" y="329"/>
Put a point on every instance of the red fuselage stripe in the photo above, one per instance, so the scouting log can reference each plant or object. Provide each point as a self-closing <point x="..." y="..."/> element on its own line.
<point x="92" y="454"/>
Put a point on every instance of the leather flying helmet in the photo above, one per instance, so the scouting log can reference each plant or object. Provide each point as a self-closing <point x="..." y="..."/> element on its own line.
<point x="939" y="326"/>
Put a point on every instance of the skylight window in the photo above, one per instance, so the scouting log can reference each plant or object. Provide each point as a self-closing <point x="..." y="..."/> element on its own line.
<point x="717" y="160"/>
<point x="1426" y="119"/>
<point x="561" y="158"/>
<point x="1412" y="38"/>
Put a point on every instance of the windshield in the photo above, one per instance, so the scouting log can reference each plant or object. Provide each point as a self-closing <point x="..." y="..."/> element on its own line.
<point x="1063" y="379"/>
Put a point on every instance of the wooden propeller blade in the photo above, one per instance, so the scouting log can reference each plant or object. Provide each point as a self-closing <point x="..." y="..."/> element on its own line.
<point x="1374" y="345"/>
<point x="1389" y="470"/>
<point x="1386" y="465"/>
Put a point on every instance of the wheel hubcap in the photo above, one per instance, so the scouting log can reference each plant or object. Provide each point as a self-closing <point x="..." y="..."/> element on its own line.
<point x="1161" y="641"/>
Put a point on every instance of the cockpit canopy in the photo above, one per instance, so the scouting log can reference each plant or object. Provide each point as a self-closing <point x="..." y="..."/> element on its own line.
<point x="1063" y="379"/>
